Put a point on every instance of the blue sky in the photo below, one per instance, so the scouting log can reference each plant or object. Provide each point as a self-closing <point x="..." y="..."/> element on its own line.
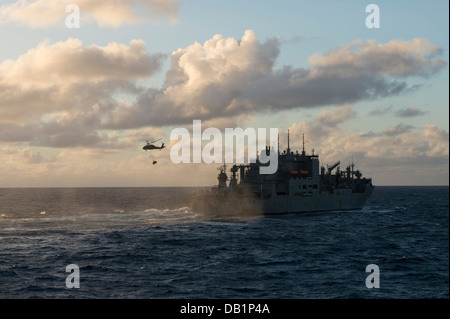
<point x="305" y="28"/>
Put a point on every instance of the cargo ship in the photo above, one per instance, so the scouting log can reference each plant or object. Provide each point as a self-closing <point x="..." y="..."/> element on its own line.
<point x="298" y="186"/>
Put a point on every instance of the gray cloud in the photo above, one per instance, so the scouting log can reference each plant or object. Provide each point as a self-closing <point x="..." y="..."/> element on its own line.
<point x="298" y="39"/>
<point x="391" y="131"/>
<point x="398" y="129"/>
<point x="410" y="112"/>
<point x="381" y="111"/>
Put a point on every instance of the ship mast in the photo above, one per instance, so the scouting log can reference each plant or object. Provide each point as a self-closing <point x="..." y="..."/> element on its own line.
<point x="278" y="144"/>
<point x="353" y="166"/>
<point x="288" y="149"/>
<point x="303" y="138"/>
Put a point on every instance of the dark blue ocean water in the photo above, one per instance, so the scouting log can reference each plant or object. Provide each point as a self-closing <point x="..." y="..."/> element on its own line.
<point x="147" y="243"/>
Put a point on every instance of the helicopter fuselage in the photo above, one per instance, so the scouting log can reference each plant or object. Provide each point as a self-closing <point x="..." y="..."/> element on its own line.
<point x="152" y="147"/>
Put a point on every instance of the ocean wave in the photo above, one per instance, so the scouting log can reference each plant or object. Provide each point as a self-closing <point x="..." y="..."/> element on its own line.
<point x="150" y="216"/>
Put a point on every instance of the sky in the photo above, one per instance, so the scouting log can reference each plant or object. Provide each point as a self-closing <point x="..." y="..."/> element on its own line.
<point x="78" y="104"/>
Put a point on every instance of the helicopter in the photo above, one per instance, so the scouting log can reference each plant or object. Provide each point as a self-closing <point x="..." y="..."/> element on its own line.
<point x="150" y="146"/>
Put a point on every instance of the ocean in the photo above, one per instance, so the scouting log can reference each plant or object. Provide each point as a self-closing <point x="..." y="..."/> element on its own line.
<point x="147" y="243"/>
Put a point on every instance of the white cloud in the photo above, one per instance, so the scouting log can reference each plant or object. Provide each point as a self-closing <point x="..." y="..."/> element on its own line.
<point x="68" y="85"/>
<point x="226" y="77"/>
<point x="46" y="13"/>
<point x="60" y="94"/>
<point x="395" y="58"/>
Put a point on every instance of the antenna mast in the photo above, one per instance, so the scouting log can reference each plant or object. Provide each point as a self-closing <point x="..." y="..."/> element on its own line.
<point x="278" y="143"/>
<point x="303" y="138"/>
<point x="288" y="149"/>
<point x="353" y="165"/>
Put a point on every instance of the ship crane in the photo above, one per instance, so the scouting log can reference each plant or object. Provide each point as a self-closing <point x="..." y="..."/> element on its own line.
<point x="332" y="167"/>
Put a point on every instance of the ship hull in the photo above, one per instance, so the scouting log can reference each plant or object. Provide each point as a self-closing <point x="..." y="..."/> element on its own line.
<point x="219" y="204"/>
<point x="315" y="203"/>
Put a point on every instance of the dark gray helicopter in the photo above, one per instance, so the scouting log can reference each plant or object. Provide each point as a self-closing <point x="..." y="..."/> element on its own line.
<point x="150" y="146"/>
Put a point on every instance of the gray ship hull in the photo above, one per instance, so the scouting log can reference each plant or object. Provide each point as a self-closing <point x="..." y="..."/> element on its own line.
<point x="216" y="203"/>
<point x="314" y="203"/>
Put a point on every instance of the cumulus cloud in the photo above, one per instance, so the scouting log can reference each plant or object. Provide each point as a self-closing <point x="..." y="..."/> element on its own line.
<point x="226" y="77"/>
<point x="67" y="95"/>
<point x="205" y="81"/>
<point x="401" y="148"/>
<point x="325" y="124"/>
<point x="46" y="13"/>
<point x="395" y="58"/>
<point x="397" y="129"/>
<point x="60" y="76"/>
<point x="60" y="94"/>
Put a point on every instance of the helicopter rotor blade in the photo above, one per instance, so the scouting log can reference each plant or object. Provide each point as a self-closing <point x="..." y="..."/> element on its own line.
<point x="156" y="140"/>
